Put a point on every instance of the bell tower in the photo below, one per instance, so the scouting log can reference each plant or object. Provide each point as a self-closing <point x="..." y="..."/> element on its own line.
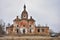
<point x="24" y="14"/>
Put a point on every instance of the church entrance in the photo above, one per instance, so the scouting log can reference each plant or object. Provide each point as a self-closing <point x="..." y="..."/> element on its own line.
<point x="23" y="31"/>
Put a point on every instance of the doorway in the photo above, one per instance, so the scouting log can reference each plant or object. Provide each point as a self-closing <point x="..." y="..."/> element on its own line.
<point x="23" y="31"/>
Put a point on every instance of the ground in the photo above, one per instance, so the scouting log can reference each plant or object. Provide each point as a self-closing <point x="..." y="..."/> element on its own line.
<point x="29" y="38"/>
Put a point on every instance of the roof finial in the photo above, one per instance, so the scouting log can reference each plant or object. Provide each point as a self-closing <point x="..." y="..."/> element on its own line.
<point x="17" y="17"/>
<point x="24" y="6"/>
<point x="30" y="17"/>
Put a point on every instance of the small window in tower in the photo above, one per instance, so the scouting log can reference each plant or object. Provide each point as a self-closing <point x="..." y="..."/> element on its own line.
<point x="42" y="30"/>
<point x="24" y="16"/>
<point x="38" y="30"/>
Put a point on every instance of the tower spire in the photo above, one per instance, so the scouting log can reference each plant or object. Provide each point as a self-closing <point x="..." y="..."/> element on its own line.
<point x="24" y="6"/>
<point x="24" y="14"/>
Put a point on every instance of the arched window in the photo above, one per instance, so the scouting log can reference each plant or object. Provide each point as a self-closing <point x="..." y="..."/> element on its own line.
<point x="42" y="30"/>
<point x="38" y="30"/>
<point x="17" y="25"/>
<point x="17" y="30"/>
<point x="29" y="25"/>
<point x="30" y="31"/>
<point x="23" y="25"/>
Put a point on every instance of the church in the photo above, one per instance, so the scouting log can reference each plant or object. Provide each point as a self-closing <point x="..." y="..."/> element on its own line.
<point x="25" y="26"/>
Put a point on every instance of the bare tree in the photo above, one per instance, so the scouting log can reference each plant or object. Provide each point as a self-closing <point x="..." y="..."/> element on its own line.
<point x="51" y="31"/>
<point x="2" y="25"/>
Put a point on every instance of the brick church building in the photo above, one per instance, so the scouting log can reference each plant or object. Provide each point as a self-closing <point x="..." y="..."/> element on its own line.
<point x="26" y="26"/>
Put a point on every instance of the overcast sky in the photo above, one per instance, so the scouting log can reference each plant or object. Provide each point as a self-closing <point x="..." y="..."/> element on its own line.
<point x="43" y="11"/>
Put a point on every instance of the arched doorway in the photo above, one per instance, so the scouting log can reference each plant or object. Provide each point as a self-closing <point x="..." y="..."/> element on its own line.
<point x="23" y="31"/>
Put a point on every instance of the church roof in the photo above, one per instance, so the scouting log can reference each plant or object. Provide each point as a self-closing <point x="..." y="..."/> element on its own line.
<point x="24" y="12"/>
<point x="17" y="19"/>
<point x="10" y="27"/>
<point x="42" y="27"/>
<point x="31" y="19"/>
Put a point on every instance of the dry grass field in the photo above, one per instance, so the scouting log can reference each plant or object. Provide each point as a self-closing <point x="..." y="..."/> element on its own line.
<point x="29" y="38"/>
